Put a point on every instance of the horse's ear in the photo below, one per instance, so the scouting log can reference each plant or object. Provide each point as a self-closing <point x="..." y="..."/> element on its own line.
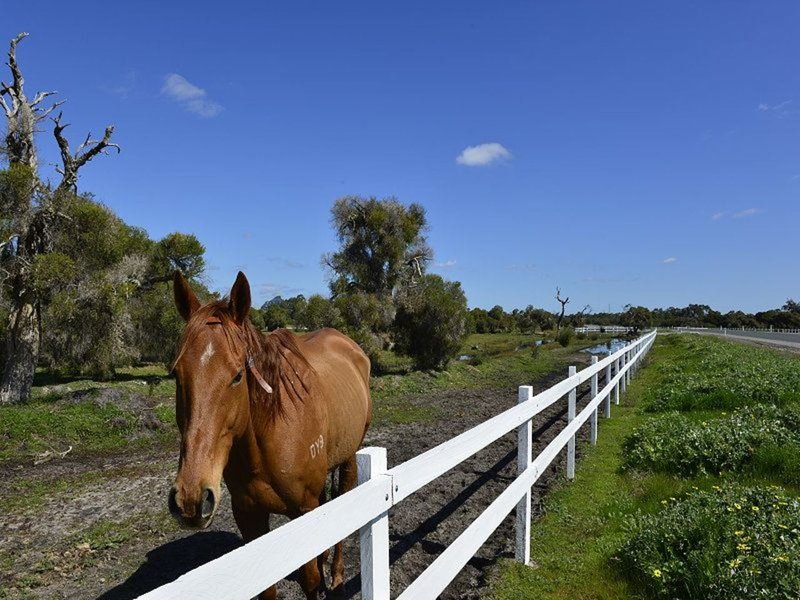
<point x="185" y="299"/>
<point x="239" y="304"/>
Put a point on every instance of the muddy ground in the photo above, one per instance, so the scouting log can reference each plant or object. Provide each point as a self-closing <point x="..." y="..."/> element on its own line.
<point x="99" y="527"/>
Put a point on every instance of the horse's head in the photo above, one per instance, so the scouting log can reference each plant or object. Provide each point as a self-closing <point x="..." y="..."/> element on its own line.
<point x="212" y="403"/>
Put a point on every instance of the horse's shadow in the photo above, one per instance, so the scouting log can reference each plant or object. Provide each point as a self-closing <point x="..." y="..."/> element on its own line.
<point x="168" y="562"/>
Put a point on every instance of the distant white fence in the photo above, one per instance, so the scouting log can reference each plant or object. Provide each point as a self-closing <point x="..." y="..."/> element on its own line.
<point x="602" y="329"/>
<point x="724" y="329"/>
<point x="246" y="571"/>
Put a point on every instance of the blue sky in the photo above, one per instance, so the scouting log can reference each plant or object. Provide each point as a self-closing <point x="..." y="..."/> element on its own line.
<point x="627" y="152"/>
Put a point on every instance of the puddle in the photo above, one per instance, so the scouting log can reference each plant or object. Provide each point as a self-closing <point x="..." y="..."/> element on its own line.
<point x="611" y="345"/>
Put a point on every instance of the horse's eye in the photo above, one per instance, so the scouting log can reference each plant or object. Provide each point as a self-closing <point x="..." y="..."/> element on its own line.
<point x="238" y="378"/>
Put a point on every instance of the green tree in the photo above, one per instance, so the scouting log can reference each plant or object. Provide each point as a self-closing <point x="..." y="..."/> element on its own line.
<point x="431" y="322"/>
<point x="32" y="212"/>
<point x="275" y="316"/>
<point x="637" y="318"/>
<point x="381" y="243"/>
<point x="320" y="312"/>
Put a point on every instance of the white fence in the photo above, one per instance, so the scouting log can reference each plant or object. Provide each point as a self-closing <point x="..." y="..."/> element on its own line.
<point x="602" y="329"/>
<point x="246" y="571"/>
<point x="745" y="329"/>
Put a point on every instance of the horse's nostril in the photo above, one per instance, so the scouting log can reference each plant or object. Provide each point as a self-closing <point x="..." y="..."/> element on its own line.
<point x="172" y="502"/>
<point x="207" y="508"/>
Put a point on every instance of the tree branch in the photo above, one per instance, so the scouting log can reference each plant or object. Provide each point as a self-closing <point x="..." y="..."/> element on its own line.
<point x="19" y="81"/>
<point x="86" y="152"/>
<point x="37" y="99"/>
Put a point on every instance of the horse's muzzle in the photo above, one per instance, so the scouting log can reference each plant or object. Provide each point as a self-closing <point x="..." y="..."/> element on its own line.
<point x="193" y="515"/>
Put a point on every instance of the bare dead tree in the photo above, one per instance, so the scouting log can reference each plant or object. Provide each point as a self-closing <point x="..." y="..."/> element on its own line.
<point x="86" y="152"/>
<point x="563" y="303"/>
<point x="32" y="220"/>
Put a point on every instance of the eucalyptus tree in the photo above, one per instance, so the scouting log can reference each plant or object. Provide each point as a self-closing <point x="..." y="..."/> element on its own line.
<point x="31" y="210"/>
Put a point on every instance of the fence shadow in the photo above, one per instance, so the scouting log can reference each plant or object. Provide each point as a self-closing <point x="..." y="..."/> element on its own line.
<point x="168" y="562"/>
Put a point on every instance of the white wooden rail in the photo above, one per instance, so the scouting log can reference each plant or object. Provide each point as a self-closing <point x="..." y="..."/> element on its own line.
<point x="246" y="571"/>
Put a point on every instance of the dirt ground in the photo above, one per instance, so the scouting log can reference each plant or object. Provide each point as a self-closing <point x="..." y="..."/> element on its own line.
<point x="101" y="528"/>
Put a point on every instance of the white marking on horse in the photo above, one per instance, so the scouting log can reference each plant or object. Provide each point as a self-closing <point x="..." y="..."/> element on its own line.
<point x="317" y="446"/>
<point x="207" y="354"/>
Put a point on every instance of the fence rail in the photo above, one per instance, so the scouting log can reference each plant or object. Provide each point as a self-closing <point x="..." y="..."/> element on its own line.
<point x="602" y="329"/>
<point x="246" y="571"/>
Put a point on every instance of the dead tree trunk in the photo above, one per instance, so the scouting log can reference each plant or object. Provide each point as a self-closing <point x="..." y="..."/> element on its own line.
<point x="34" y="222"/>
<point x="563" y="308"/>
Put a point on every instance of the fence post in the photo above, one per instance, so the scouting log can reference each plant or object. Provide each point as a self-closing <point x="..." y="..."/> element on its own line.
<point x="524" y="458"/>
<point x="593" y="429"/>
<point x="374" y="536"/>
<point x="630" y="371"/>
<point x="616" y="387"/>
<point x="608" y="396"/>
<point x="625" y="373"/>
<point x="573" y="394"/>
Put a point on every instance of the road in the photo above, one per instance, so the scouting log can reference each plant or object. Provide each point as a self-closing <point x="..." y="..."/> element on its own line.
<point x="782" y="340"/>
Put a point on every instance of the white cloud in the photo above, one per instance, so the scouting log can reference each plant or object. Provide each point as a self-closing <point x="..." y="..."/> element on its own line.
<point x="193" y="98"/>
<point x="764" y="107"/>
<point x="718" y="215"/>
<point x="483" y="154"/>
<point x="749" y="212"/>
<point x="669" y="260"/>
<point x="278" y="289"/>
<point x="445" y="265"/>
<point x="285" y="262"/>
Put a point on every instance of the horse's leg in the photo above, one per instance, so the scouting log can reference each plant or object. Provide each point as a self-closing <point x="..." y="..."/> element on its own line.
<point x="347" y="481"/>
<point x="322" y="558"/>
<point x="309" y="572"/>
<point x="253" y="524"/>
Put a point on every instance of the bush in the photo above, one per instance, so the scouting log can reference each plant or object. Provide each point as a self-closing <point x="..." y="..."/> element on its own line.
<point x="564" y="336"/>
<point x="431" y="321"/>
<point x="673" y="443"/>
<point x="731" y="543"/>
<point x="594" y="336"/>
<point x="582" y="335"/>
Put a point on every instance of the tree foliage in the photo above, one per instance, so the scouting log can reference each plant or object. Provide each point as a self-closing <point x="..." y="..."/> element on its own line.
<point x="381" y="243"/>
<point x="431" y="322"/>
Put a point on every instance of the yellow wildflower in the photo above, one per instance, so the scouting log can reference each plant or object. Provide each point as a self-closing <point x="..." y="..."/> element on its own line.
<point x="657" y="572"/>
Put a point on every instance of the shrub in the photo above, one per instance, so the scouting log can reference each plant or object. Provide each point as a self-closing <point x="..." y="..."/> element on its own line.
<point x="564" y="336"/>
<point x="673" y="443"/>
<point x="727" y="544"/>
<point x="431" y="321"/>
<point x="594" y="336"/>
<point x="582" y="335"/>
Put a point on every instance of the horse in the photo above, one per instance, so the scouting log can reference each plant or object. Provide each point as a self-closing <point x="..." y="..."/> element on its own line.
<point x="272" y="414"/>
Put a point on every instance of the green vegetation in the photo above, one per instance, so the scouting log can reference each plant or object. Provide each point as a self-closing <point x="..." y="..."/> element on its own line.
<point x="431" y="321"/>
<point x="730" y="542"/>
<point x="89" y="416"/>
<point x="662" y="507"/>
<point x="138" y="406"/>
<point x="674" y="443"/>
<point x="715" y="374"/>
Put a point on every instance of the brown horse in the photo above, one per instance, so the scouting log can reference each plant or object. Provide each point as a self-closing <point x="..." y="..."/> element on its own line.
<point x="272" y="414"/>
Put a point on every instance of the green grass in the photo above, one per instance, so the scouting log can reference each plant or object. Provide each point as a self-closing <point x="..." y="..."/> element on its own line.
<point x="56" y="419"/>
<point x="497" y="361"/>
<point x="585" y="523"/>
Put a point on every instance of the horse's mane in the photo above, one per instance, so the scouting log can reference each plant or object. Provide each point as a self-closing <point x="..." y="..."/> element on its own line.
<point x="276" y="355"/>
